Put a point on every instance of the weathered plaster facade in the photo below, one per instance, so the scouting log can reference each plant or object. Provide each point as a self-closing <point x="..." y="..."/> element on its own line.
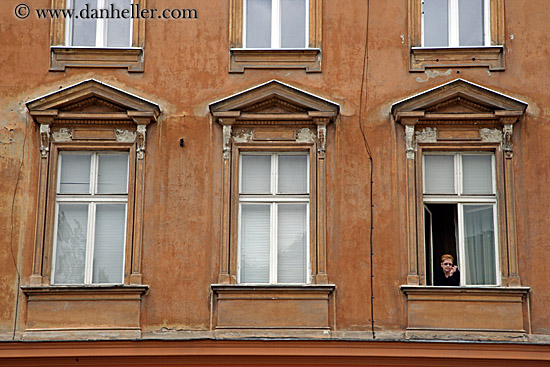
<point x="356" y="105"/>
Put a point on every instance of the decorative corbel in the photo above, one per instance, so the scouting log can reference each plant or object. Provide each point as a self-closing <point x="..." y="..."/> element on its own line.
<point x="140" y="140"/>
<point x="409" y="141"/>
<point x="322" y="137"/>
<point x="507" y="141"/>
<point x="226" y="142"/>
<point x="44" y="140"/>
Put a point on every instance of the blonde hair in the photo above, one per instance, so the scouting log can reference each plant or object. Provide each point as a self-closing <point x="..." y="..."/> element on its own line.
<point x="447" y="257"/>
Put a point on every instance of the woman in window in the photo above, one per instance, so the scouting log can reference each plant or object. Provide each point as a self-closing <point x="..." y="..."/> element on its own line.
<point x="449" y="275"/>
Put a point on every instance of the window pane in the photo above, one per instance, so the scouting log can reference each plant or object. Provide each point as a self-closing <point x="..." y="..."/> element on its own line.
<point x="293" y="23"/>
<point x="258" y="23"/>
<point x="256" y="174"/>
<point x="255" y="239"/>
<point x="439" y="174"/>
<point x="477" y="174"/>
<point x="112" y="176"/>
<point x="75" y="173"/>
<point x="110" y="230"/>
<point x="436" y="23"/>
<point x="84" y="30"/>
<point x="293" y="174"/>
<point x="292" y="243"/>
<point x="70" y="252"/>
<point x="471" y="22"/>
<point x="118" y="29"/>
<point x="479" y="244"/>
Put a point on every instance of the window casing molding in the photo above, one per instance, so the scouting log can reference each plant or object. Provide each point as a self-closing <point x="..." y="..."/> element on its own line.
<point x="63" y="55"/>
<point x="490" y="55"/>
<point x="120" y="126"/>
<point x="308" y="58"/>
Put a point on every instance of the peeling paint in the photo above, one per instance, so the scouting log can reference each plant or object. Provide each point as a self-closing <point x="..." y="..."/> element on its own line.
<point x="432" y="74"/>
<point x="402" y="38"/>
<point x="512" y="36"/>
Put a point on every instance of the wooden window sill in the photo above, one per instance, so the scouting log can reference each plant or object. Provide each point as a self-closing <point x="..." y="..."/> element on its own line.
<point x="302" y="58"/>
<point x="453" y="57"/>
<point x="130" y="58"/>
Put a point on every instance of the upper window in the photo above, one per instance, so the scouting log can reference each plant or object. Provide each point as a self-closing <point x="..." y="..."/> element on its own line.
<point x="90" y="228"/>
<point x="100" y="31"/>
<point x="275" y="23"/>
<point x="460" y="208"/>
<point x="97" y="36"/>
<point x="275" y="34"/>
<point x="274" y="218"/>
<point x="455" y="23"/>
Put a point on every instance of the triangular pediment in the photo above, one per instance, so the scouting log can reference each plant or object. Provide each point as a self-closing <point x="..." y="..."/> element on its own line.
<point x="274" y="98"/>
<point x="92" y="98"/>
<point x="458" y="97"/>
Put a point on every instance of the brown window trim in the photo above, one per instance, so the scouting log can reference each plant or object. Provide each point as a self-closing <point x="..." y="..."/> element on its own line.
<point x="306" y="58"/>
<point x="62" y="56"/>
<point x="433" y="57"/>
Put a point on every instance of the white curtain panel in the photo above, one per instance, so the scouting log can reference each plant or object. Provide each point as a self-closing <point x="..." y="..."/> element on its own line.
<point x="439" y="174"/>
<point x="255" y="240"/>
<point x="70" y="253"/>
<point x="258" y="23"/>
<point x="293" y="23"/>
<point x="109" y="243"/>
<point x="477" y="174"/>
<point x="75" y="173"/>
<point x="470" y="18"/>
<point x="479" y="244"/>
<point x="112" y="177"/>
<point x="256" y="174"/>
<point x="119" y="29"/>
<point x="292" y="174"/>
<point x="292" y="243"/>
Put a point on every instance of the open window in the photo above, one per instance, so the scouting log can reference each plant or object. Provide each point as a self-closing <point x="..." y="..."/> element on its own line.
<point x="275" y="34"/>
<point x="273" y="245"/>
<point x="90" y="209"/>
<point x="458" y="154"/>
<point x="101" y="33"/>
<point x="456" y="33"/>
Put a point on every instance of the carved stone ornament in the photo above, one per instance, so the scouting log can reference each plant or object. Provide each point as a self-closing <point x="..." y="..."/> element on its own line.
<point x="125" y="136"/>
<point x="427" y="135"/>
<point x="141" y="131"/>
<point x="242" y="136"/>
<point x="44" y="140"/>
<point x="305" y="135"/>
<point x="508" y="148"/>
<point x="322" y="137"/>
<point x="63" y="134"/>
<point x="409" y="141"/>
<point x="226" y="141"/>
<point x="491" y="135"/>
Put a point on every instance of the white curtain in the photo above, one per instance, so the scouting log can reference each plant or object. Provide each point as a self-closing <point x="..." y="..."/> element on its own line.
<point x="255" y="239"/>
<point x="118" y="29"/>
<point x="75" y="173"/>
<point x="293" y="23"/>
<point x="70" y="253"/>
<point x="479" y="241"/>
<point x="109" y="243"/>
<point x="112" y="175"/>
<point x="477" y="174"/>
<point x="439" y="175"/>
<point x="256" y="174"/>
<point x="292" y="243"/>
<point x="292" y="174"/>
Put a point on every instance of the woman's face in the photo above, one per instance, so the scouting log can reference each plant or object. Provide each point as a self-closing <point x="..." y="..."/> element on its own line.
<point x="447" y="265"/>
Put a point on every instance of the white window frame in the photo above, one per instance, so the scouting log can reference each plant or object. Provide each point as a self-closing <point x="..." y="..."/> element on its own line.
<point x="276" y="33"/>
<point x="274" y="199"/>
<point x="461" y="200"/>
<point x="454" y="24"/>
<point x="92" y="199"/>
<point x="101" y="27"/>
